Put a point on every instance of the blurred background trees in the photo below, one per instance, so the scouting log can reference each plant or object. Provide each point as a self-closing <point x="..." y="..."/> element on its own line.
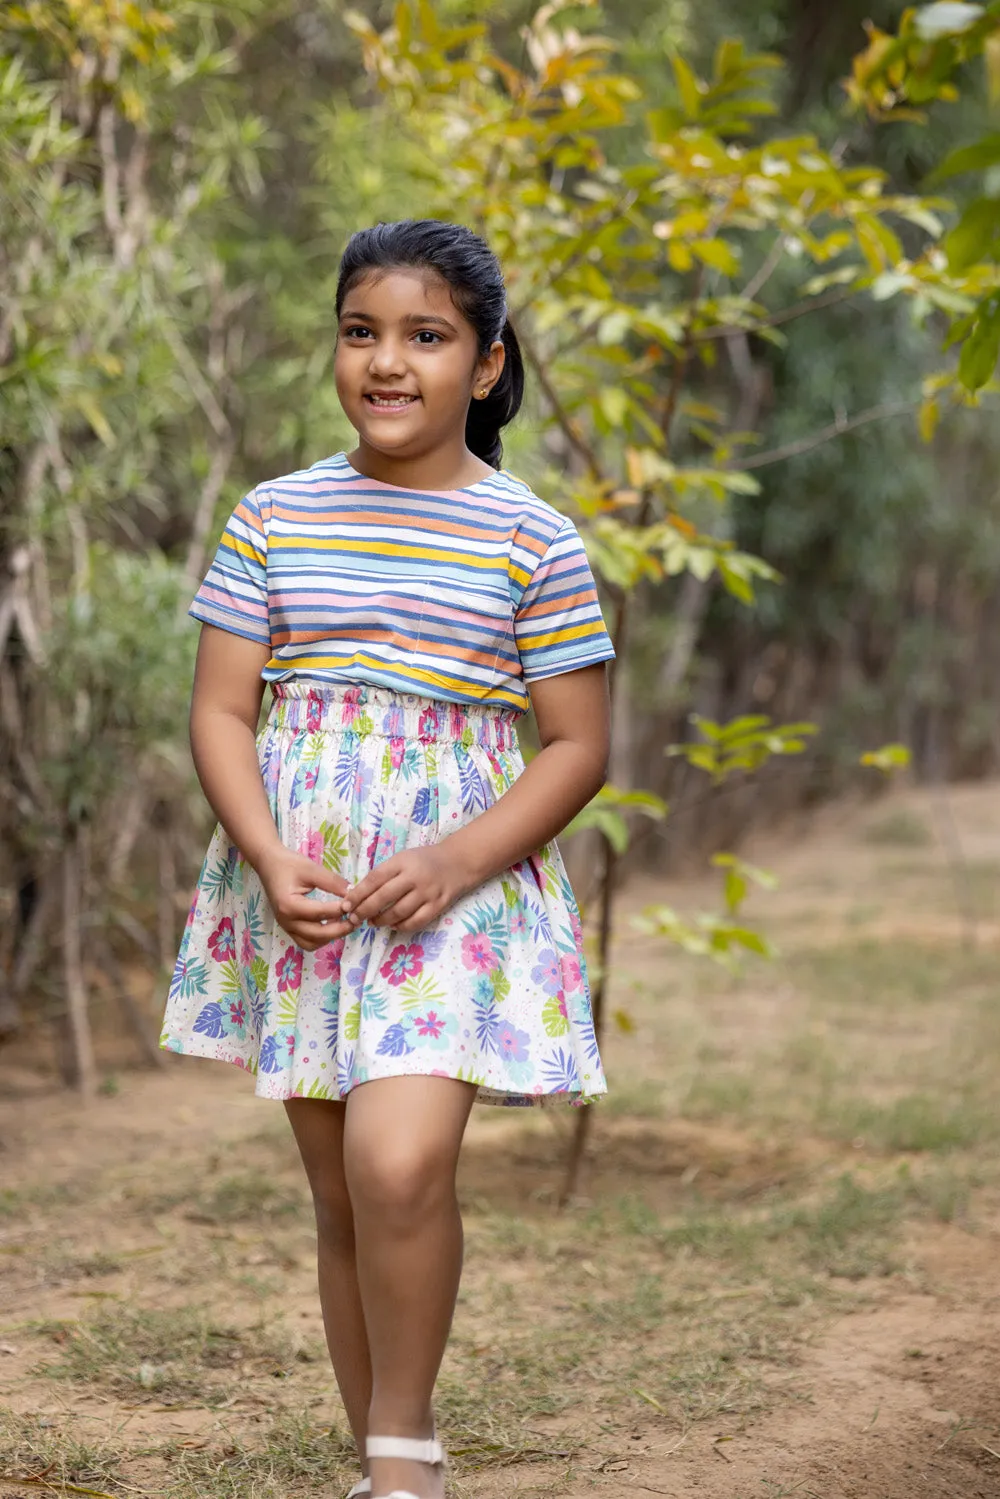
<point x="733" y="292"/>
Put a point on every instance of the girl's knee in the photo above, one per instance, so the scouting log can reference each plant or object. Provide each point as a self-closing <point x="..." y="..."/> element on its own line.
<point x="401" y="1183"/>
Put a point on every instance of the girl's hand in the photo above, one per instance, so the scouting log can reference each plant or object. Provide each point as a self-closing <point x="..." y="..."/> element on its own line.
<point x="410" y="890"/>
<point x="287" y="878"/>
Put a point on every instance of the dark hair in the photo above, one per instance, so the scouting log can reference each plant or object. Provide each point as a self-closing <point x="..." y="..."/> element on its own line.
<point x="466" y="262"/>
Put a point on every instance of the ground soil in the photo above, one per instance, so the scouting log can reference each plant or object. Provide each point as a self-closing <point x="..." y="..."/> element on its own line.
<point x="892" y="1393"/>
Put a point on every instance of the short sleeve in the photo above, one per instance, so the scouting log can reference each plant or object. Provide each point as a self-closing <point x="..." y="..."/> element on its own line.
<point x="234" y="594"/>
<point x="557" y="624"/>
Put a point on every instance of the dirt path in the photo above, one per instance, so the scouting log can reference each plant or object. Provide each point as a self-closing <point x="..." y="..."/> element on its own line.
<point x="782" y="1278"/>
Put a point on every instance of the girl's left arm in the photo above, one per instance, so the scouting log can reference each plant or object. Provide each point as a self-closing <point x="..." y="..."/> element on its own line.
<point x="411" y="889"/>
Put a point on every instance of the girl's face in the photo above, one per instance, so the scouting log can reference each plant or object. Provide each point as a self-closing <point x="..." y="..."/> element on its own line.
<point x="408" y="363"/>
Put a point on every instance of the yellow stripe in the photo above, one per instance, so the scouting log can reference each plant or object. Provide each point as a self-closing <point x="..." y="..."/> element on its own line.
<point x="412" y="673"/>
<point x="384" y="549"/>
<point x="236" y="544"/>
<point x="578" y="632"/>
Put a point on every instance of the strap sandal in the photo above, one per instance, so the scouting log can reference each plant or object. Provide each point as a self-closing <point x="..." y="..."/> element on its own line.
<point x="361" y="1489"/>
<point x="414" y="1451"/>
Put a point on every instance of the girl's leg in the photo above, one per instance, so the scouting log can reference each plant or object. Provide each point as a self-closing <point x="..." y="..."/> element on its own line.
<point x="318" y="1126"/>
<point x="401" y="1145"/>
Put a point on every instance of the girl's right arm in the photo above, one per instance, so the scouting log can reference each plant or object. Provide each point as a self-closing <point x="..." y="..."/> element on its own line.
<point x="225" y="708"/>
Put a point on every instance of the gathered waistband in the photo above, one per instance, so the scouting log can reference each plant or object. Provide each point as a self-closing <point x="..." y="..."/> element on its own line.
<point x="312" y="708"/>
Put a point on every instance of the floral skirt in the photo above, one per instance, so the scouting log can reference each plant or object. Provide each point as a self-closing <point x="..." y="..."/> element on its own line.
<point x="494" y="992"/>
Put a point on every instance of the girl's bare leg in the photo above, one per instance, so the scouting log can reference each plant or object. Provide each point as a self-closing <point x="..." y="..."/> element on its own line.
<point x="401" y="1143"/>
<point x="318" y="1126"/>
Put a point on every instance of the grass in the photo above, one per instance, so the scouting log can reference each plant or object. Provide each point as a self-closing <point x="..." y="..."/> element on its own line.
<point x="773" y="1146"/>
<point x="177" y="1354"/>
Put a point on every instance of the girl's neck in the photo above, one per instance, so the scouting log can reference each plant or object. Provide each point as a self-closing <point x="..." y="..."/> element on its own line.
<point x="453" y="467"/>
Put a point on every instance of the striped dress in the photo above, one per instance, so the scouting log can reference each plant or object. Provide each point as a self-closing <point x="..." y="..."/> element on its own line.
<point x="405" y="628"/>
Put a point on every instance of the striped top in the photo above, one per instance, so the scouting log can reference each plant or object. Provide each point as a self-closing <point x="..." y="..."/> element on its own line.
<point x="466" y="595"/>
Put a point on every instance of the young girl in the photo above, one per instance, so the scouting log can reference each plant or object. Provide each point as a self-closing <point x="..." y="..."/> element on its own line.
<point x="383" y="931"/>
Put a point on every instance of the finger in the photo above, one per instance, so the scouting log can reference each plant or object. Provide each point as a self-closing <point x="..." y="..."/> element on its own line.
<point x="422" y="917"/>
<point x="400" y="910"/>
<point x="372" y="881"/>
<point x="389" y="893"/>
<point x="312" y="935"/>
<point x="306" y="908"/>
<point x="324" y="879"/>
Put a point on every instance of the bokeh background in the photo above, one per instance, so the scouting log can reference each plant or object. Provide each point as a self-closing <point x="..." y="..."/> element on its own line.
<point x="752" y="255"/>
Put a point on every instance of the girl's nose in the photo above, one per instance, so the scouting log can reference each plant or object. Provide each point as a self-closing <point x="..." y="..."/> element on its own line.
<point x="387" y="359"/>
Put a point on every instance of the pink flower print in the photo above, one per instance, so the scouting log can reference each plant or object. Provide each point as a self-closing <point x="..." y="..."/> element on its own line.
<point x="311" y="846"/>
<point x="314" y="712"/>
<point x="397" y="749"/>
<point x="546" y="972"/>
<point x="576" y="927"/>
<point x="327" y="965"/>
<point x="518" y="924"/>
<point x="478" y="953"/>
<point x="511" y="1043"/>
<point x="404" y="962"/>
<point x="237" y="1014"/>
<point x="569" y="968"/>
<point x="457" y="720"/>
<point x="430" y="1025"/>
<point x="429" y="725"/>
<point x="192" y="913"/>
<point x="222" y="942"/>
<point x="247" y="950"/>
<point x="289" y="969"/>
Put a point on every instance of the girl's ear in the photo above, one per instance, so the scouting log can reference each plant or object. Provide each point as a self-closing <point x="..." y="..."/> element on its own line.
<point x="489" y="369"/>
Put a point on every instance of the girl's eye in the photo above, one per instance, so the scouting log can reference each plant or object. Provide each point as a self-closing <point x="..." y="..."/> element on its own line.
<point x="353" y="332"/>
<point x="428" y="333"/>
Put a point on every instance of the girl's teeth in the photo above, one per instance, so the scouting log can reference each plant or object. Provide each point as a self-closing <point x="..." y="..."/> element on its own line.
<point x="382" y="401"/>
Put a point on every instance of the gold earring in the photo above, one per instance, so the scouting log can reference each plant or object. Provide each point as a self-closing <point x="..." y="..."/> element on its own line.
<point x="483" y="392"/>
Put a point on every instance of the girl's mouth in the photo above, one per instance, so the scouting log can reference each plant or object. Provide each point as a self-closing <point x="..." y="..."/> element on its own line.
<point x="390" y="400"/>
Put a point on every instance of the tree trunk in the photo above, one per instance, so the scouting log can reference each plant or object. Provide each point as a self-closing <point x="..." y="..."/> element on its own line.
<point x="78" y="1018"/>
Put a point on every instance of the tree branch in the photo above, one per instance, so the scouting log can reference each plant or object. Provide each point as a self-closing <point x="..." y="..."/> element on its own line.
<point x="826" y="434"/>
<point x="569" y="427"/>
<point x="827" y="299"/>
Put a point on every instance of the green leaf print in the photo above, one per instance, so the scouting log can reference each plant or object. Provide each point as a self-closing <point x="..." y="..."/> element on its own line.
<point x="259" y="972"/>
<point x="334" y="846"/>
<point x="352" y="1022"/>
<point x="510" y="895"/>
<point x="431" y="761"/>
<point x="373" y="1005"/>
<point x="240" y="877"/>
<point x="288" y="1007"/>
<point x="420" y="991"/>
<point x="501" y="984"/>
<point x="385" y="773"/>
<point x="466" y="1075"/>
<point x="554" y="1017"/>
<point x="218" y="881"/>
<point x="467" y="738"/>
<point x="229" y="977"/>
<point x="317" y="1089"/>
<point x="362" y="725"/>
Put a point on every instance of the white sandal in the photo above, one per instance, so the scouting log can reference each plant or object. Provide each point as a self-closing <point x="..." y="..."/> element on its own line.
<point x="415" y="1451"/>
<point x="361" y="1489"/>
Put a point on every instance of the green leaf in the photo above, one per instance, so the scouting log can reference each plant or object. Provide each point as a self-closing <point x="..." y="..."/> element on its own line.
<point x="975" y="158"/>
<point x="978" y="358"/>
<point x="687" y="87"/>
<point x="976" y="236"/>
<point x="717" y="254"/>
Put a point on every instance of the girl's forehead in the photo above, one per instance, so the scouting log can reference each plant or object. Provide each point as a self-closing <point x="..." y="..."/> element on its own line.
<point x="400" y="290"/>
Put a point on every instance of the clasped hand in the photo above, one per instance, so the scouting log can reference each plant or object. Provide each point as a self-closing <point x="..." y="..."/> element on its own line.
<point x="407" y="892"/>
